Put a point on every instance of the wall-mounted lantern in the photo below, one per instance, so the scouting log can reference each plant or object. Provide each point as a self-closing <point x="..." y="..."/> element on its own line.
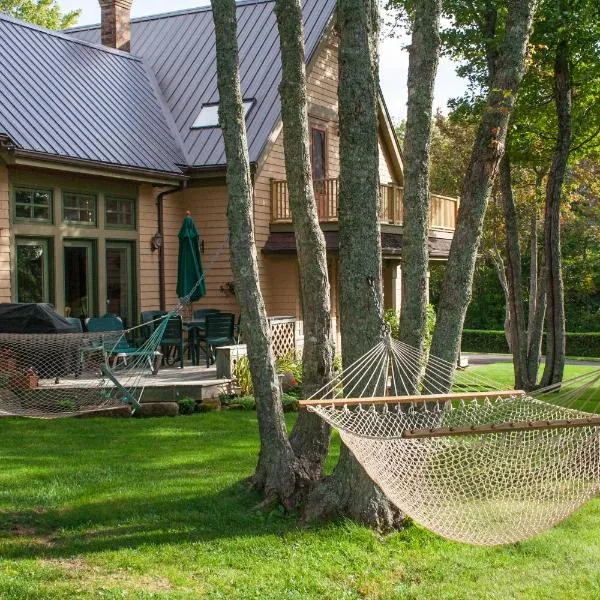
<point x="156" y="241"/>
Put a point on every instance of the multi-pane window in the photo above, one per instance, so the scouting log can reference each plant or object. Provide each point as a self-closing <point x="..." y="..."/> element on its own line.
<point x="33" y="205"/>
<point x="79" y="208"/>
<point x="120" y="212"/>
<point x="32" y="278"/>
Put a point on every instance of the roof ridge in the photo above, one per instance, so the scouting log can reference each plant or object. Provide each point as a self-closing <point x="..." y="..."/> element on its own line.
<point x="63" y="36"/>
<point x="175" y="13"/>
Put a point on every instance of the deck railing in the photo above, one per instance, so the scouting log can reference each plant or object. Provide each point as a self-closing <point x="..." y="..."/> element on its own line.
<point x="442" y="215"/>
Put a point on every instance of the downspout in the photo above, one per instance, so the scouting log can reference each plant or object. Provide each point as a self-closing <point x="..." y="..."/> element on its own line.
<point x="161" y="250"/>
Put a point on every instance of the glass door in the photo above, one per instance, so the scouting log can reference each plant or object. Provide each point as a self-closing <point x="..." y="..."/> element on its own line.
<point x="80" y="279"/>
<point x="120" y="281"/>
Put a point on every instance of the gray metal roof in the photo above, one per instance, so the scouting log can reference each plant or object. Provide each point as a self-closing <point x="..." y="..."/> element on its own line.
<point x="64" y="97"/>
<point x="179" y="48"/>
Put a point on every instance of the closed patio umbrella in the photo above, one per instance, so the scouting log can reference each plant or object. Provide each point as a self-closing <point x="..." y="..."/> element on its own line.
<point x="190" y="280"/>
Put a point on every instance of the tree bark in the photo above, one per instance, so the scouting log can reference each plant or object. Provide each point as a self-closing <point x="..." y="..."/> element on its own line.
<point x="514" y="279"/>
<point x="485" y="158"/>
<point x="310" y="436"/>
<point x="275" y="473"/>
<point x="555" y="317"/>
<point x="422" y="68"/>
<point x="537" y="298"/>
<point x="349" y="491"/>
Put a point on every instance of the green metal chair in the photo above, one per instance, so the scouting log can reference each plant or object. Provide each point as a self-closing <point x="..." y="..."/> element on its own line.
<point x="173" y="338"/>
<point x="116" y="345"/>
<point x="219" y="331"/>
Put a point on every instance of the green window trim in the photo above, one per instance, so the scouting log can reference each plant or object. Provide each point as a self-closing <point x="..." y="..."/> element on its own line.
<point x="76" y="205"/>
<point x="34" y="200"/>
<point x="24" y="277"/>
<point x="120" y="213"/>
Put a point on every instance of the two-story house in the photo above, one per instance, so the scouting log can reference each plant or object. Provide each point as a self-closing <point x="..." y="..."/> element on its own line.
<point x="109" y="134"/>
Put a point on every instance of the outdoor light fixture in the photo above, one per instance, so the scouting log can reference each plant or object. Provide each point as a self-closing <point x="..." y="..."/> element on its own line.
<point x="156" y="241"/>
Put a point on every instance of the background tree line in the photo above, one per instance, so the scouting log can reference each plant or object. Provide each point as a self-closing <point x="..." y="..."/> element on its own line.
<point x="451" y="140"/>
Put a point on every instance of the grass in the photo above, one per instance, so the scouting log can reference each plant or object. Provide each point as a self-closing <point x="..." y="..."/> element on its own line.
<point x="157" y="508"/>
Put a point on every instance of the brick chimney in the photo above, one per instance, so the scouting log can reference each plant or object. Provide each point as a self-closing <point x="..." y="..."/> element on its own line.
<point x="115" y="24"/>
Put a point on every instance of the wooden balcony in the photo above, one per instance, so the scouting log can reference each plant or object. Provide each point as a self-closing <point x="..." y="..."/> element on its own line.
<point x="443" y="208"/>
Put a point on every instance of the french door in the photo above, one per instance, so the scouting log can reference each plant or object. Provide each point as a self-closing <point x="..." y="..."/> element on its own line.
<point x="120" y="281"/>
<point x="79" y="278"/>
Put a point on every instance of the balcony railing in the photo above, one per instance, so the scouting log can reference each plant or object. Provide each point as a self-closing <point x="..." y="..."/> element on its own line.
<point x="443" y="209"/>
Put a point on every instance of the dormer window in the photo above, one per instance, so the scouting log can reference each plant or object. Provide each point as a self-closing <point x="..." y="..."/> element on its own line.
<point x="209" y="114"/>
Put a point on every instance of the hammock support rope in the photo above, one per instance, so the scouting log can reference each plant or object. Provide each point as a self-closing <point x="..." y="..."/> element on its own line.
<point x="478" y="464"/>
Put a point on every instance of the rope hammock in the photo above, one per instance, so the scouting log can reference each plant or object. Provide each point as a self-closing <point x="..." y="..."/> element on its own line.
<point x="479" y="464"/>
<point x="62" y="375"/>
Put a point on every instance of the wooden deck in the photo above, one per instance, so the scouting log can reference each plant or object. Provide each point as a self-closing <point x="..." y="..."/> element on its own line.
<point x="169" y="384"/>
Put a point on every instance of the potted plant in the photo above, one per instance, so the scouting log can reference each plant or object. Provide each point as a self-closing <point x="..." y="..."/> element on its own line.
<point x="25" y="380"/>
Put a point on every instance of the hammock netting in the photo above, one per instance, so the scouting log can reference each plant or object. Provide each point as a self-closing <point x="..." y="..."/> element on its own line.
<point x="65" y="374"/>
<point x="481" y="465"/>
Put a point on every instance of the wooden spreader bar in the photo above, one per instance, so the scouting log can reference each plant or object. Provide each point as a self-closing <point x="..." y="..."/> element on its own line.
<point x="413" y="399"/>
<point x="501" y="428"/>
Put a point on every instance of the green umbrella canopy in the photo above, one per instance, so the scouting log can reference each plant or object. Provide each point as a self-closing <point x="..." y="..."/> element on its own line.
<point x="189" y="265"/>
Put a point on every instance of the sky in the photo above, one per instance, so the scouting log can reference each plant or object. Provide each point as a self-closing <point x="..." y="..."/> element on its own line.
<point x="393" y="55"/>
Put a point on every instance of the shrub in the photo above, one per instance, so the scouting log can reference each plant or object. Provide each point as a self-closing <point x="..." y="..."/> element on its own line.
<point x="66" y="404"/>
<point x="290" y="364"/>
<point x="474" y="340"/>
<point x="290" y="403"/>
<point x="241" y="372"/>
<point x="187" y="406"/>
<point x="578" y="344"/>
<point x="392" y="318"/>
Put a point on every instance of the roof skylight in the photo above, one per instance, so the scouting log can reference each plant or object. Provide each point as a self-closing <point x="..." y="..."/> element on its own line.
<point x="209" y="115"/>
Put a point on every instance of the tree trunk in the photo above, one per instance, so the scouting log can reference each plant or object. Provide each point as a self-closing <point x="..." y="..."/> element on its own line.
<point x="537" y="298"/>
<point x="349" y="491"/>
<point x="555" y="318"/>
<point x="498" y="263"/>
<point x="422" y="68"/>
<point x="310" y="436"/>
<point x="514" y="279"/>
<point x="275" y="473"/>
<point x="485" y="158"/>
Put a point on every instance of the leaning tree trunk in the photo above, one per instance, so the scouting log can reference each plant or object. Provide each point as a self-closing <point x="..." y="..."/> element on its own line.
<point x="275" y="473"/>
<point x="537" y="303"/>
<point x="555" y="316"/>
<point x="310" y="436"/>
<point x="485" y="158"/>
<point x="422" y="67"/>
<point x="514" y="279"/>
<point x="349" y="491"/>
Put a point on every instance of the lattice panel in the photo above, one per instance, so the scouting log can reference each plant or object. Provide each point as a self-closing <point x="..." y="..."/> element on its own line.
<point x="283" y="335"/>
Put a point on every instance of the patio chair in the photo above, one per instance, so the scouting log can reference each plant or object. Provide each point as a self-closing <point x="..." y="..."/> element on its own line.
<point x="116" y="345"/>
<point x="173" y="339"/>
<point x="202" y="312"/>
<point x="149" y="322"/>
<point x="219" y="331"/>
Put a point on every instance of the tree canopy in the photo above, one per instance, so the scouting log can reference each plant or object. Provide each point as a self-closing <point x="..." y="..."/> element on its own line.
<point x="45" y="13"/>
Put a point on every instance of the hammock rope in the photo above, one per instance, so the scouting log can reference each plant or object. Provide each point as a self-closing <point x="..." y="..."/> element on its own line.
<point x="64" y="375"/>
<point x="459" y="453"/>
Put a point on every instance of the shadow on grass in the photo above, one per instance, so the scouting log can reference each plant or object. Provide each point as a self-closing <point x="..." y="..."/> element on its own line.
<point x="70" y="488"/>
<point x="130" y="522"/>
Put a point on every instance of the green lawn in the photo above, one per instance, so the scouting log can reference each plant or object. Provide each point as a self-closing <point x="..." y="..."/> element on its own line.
<point x="156" y="508"/>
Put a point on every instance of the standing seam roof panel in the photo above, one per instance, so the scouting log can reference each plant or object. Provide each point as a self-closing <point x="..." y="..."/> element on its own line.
<point x="64" y="97"/>
<point x="179" y="48"/>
